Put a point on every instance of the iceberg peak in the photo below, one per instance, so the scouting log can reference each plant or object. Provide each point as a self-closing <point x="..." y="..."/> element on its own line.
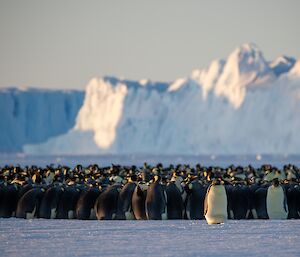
<point x="245" y="66"/>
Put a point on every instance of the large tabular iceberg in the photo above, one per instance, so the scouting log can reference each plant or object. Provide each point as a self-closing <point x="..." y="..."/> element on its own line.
<point x="241" y="105"/>
<point x="30" y="116"/>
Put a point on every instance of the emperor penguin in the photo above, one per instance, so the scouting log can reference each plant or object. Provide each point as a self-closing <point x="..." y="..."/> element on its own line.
<point x="28" y="204"/>
<point x="174" y="202"/>
<point x="49" y="203"/>
<point x="260" y="203"/>
<point x="85" y="204"/>
<point x="252" y="203"/>
<point x="276" y="201"/>
<point x="293" y="200"/>
<point x="156" y="201"/>
<point x="8" y="200"/>
<point x="23" y="190"/>
<point x="138" y="201"/>
<point x="178" y="181"/>
<point x="67" y="203"/>
<point x="125" y="200"/>
<point x="106" y="204"/>
<point x="195" y="201"/>
<point x="239" y="202"/>
<point x="215" y="206"/>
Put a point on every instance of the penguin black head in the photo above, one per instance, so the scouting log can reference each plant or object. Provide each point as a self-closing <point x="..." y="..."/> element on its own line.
<point x="275" y="182"/>
<point x="159" y="165"/>
<point x="133" y="178"/>
<point x="163" y="180"/>
<point x="17" y="170"/>
<point x="157" y="178"/>
<point x="78" y="168"/>
<point x="216" y="182"/>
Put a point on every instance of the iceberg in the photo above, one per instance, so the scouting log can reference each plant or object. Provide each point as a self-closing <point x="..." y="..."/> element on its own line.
<point x="240" y="105"/>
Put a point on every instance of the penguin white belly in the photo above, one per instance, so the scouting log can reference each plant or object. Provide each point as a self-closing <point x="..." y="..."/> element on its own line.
<point x="53" y="213"/>
<point x="275" y="203"/>
<point x="184" y="196"/>
<point x="129" y="215"/>
<point x="188" y="215"/>
<point x="216" y="205"/>
<point x="254" y="213"/>
<point x="164" y="215"/>
<point x="93" y="214"/>
<point x="70" y="214"/>
<point x="30" y="215"/>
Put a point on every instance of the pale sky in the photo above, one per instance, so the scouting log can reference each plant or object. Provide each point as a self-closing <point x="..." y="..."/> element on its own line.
<point x="63" y="44"/>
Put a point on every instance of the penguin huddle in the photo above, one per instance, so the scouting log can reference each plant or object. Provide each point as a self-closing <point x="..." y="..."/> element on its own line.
<point x="150" y="192"/>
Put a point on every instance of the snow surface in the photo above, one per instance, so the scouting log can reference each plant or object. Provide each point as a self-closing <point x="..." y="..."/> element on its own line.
<point x="32" y="115"/>
<point x="241" y="105"/>
<point x="39" y="237"/>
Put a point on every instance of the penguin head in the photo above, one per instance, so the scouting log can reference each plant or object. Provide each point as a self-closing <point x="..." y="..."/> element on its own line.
<point x="157" y="178"/>
<point x="277" y="172"/>
<point x="87" y="171"/>
<point x="17" y="170"/>
<point x="132" y="178"/>
<point x="275" y="182"/>
<point x="116" y="179"/>
<point x="78" y="168"/>
<point x="155" y="171"/>
<point x="216" y="182"/>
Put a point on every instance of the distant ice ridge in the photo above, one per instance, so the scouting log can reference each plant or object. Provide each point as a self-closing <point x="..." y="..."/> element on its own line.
<point x="244" y="67"/>
<point x="241" y="105"/>
<point x="30" y="116"/>
<point x="282" y="65"/>
<point x="295" y="71"/>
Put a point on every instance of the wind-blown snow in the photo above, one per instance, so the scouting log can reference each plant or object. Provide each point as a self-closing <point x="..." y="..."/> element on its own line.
<point x="148" y="238"/>
<point x="32" y="115"/>
<point x="241" y="105"/>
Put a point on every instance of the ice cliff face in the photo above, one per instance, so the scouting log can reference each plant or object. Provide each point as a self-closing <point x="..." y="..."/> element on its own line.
<point x="241" y="105"/>
<point x="102" y="110"/>
<point x="245" y="67"/>
<point x="295" y="71"/>
<point x="30" y="116"/>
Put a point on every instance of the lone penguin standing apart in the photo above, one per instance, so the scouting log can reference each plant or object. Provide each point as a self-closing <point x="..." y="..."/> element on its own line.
<point x="215" y="205"/>
<point x="276" y="201"/>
